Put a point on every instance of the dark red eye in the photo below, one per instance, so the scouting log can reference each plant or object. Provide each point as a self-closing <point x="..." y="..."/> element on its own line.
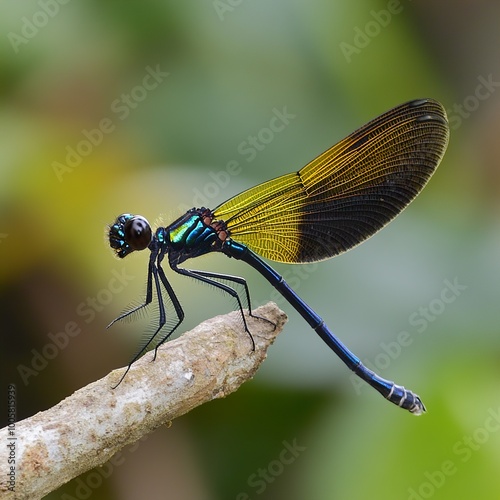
<point x="137" y="233"/>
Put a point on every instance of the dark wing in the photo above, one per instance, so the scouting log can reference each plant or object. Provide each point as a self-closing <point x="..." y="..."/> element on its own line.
<point x="346" y="194"/>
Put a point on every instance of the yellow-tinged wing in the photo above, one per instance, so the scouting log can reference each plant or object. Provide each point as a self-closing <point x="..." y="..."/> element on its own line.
<point x="347" y="193"/>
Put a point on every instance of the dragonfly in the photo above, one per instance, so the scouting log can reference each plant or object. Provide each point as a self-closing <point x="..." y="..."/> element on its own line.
<point x="332" y="204"/>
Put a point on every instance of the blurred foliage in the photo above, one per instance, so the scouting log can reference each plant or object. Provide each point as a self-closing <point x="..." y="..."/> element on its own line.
<point x="74" y="83"/>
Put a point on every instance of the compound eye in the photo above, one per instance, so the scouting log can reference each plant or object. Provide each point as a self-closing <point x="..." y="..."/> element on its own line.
<point x="137" y="232"/>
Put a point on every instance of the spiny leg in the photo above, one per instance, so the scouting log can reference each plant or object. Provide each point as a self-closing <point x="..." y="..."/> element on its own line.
<point x="239" y="281"/>
<point x="149" y="292"/>
<point x="175" y="302"/>
<point x="158" y="272"/>
<point x="209" y="278"/>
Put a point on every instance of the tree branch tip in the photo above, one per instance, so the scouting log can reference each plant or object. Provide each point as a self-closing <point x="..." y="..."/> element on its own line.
<point x="87" y="428"/>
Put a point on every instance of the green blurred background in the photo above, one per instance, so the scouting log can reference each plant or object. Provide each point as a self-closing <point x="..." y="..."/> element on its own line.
<point x="223" y="69"/>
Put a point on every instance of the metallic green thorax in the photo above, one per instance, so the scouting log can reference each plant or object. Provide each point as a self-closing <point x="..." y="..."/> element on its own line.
<point x="191" y="234"/>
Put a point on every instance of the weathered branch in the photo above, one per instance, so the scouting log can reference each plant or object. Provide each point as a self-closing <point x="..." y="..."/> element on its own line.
<point x="90" y="426"/>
